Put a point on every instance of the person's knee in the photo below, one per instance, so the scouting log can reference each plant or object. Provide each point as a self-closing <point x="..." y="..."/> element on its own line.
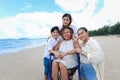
<point x="62" y="66"/>
<point x="55" y="64"/>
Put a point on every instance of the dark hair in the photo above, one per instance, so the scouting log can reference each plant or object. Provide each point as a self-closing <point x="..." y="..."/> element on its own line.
<point x="71" y="31"/>
<point x="69" y="16"/>
<point x="83" y="28"/>
<point x="54" y="28"/>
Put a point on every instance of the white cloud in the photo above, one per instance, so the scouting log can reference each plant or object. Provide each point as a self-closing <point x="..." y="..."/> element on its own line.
<point x="38" y="24"/>
<point x="110" y="11"/>
<point x="85" y="6"/>
<point x="109" y="14"/>
<point x="32" y="25"/>
<point x="71" y="5"/>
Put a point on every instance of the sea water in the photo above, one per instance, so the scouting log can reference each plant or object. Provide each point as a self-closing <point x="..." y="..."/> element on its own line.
<point x="14" y="45"/>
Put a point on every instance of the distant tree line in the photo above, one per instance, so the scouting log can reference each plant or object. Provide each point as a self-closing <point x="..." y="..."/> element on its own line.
<point x="106" y="30"/>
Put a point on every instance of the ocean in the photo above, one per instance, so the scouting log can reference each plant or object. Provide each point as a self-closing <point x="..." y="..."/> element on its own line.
<point x="13" y="45"/>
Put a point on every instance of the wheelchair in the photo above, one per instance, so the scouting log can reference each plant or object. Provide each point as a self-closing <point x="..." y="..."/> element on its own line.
<point x="71" y="71"/>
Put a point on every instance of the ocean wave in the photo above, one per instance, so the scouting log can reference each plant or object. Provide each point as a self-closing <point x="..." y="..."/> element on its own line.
<point x="14" y="45"/>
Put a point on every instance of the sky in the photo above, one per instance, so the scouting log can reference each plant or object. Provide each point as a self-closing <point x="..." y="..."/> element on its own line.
<point x="35" y="18"/>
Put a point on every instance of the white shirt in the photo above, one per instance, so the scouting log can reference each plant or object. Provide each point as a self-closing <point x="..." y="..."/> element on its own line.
<point x="95" y="56"/>
<point x="51" y="43"/>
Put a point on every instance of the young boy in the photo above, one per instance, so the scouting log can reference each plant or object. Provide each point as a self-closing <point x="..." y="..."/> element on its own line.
<point x="51" y="43"/>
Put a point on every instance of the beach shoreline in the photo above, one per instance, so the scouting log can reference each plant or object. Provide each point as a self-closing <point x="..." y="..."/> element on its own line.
<point x="28" y="64"/>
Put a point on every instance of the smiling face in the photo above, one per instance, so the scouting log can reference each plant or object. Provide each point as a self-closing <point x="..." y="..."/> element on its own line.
<point x="67" y="33"/>
<point x="55" y="34"/>
<point x="82" y="35"/>
<point x="66" y="21"/>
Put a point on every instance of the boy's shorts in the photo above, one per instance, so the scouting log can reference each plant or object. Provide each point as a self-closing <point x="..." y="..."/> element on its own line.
<point x="87" y="71"/>
<point x="46" y="66"/>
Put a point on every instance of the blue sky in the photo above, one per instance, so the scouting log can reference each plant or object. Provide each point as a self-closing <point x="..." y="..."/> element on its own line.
<point x="31" y="18"/>
<point x="14" y="7"/>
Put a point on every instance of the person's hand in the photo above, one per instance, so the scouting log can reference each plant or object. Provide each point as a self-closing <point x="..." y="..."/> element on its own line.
<point x="81" y="52"/>
<point x="62" y="55"/>
<point x="78" y="50"/>
<point x="58" y="54"/>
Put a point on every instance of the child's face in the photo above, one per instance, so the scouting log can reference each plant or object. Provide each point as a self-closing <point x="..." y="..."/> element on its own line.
<point x="55" y="34"/>
<point x="66" y="21"/>
<point x="67" y="34"/>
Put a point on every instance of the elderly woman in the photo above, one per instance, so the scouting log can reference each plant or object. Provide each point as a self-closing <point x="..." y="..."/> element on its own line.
<point x="65" y="57"/>
<point x="92" y="56"/>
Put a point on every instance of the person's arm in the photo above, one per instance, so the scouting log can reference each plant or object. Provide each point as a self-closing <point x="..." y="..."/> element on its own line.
<point x="69" y="52"/>
<point x="55" y="50"/>
<point x="57" y="46"/>
<point x="77" y="46"/>
<point x="76" y="43"/>
<point x="95" y="55"/>
<point x="50" y="47"/>
<point x="48" y="38"/>
<point x="56" y="53"/>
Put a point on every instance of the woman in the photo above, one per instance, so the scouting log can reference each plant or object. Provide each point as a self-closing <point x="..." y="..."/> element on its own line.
<point x="92" y="57"/>
<point x="66" y="22"/>
<point x="65" y="58"/>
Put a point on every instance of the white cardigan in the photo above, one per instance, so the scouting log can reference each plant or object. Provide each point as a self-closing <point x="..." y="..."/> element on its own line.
<point x="95" y="56"/>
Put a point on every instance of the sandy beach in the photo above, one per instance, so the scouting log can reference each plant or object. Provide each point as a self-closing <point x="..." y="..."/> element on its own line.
<point x="28" y="64"/>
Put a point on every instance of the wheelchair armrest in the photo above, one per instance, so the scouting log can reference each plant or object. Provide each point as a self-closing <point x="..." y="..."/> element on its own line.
<point x="78" y="60"/>
<point x="52" y="56"/>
